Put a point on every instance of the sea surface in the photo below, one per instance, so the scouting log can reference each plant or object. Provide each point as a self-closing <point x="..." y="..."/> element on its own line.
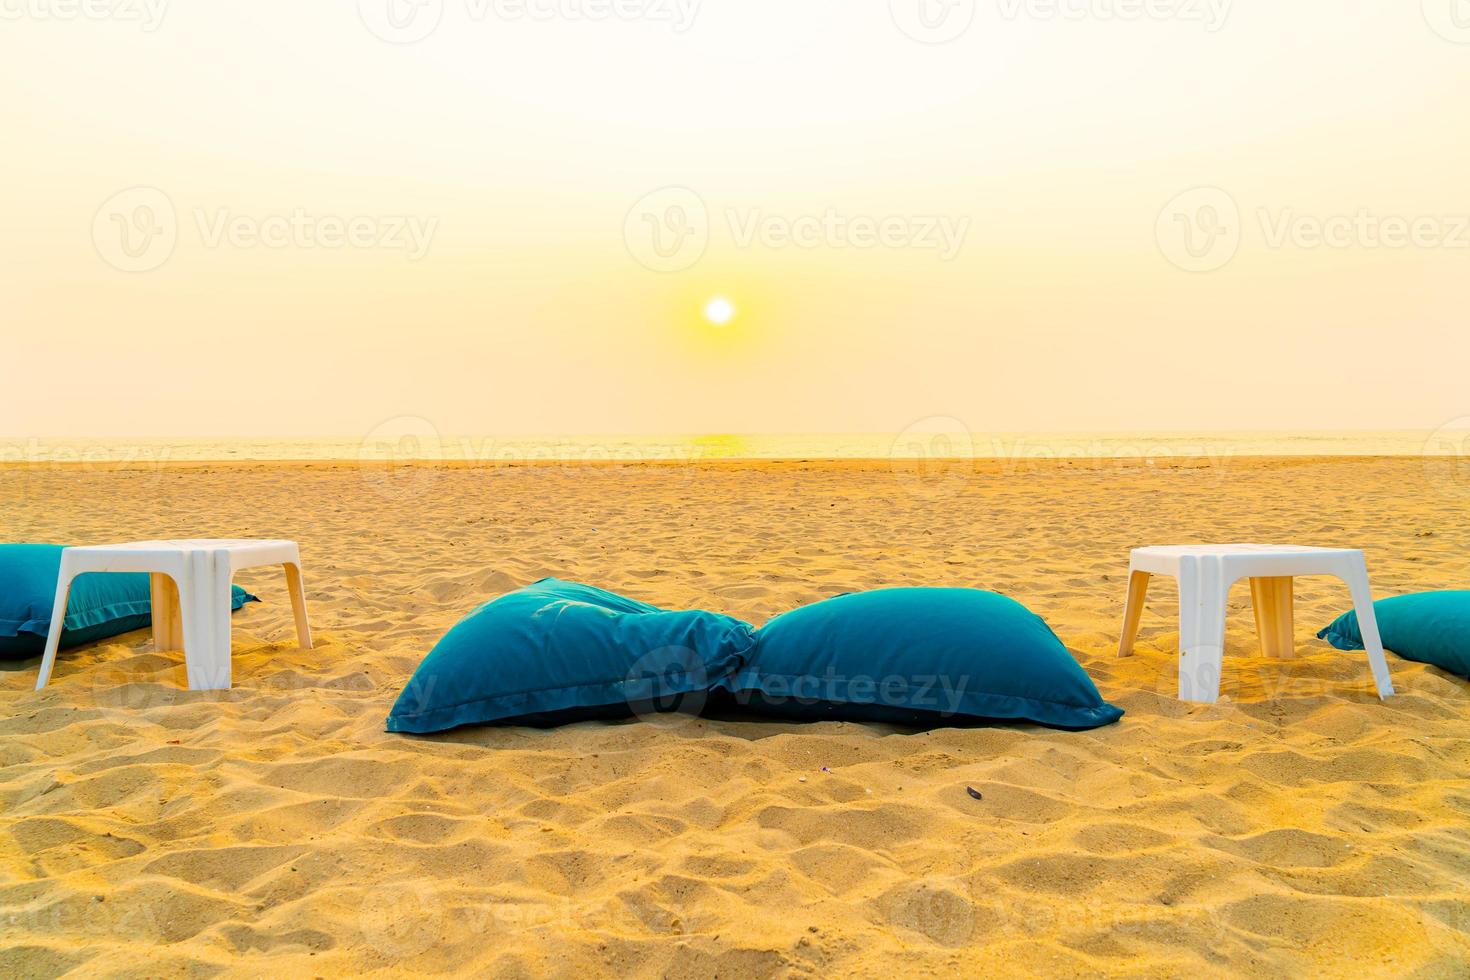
<point x="412" y="439"/>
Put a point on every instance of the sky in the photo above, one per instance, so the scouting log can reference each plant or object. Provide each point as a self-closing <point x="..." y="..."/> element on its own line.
<point x="513" y="216"/>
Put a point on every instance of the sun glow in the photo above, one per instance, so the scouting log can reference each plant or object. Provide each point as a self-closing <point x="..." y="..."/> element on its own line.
<point x="719" y="311"/>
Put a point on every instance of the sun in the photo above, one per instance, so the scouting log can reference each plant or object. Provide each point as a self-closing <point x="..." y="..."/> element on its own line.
<point x="719" y="311"/>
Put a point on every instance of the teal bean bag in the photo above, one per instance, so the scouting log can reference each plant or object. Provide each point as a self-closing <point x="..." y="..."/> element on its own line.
<point x="557" y="652"/>
<point x="917" y="656"/>
<point x="101" y="604"/>
<point x="1427" y="627"/>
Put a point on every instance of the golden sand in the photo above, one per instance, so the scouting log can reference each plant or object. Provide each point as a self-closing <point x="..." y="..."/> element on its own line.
<point x="276" y="829"/>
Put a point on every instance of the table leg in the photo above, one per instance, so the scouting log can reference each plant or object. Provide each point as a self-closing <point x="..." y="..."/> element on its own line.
<point x="1274" y="602"/>
<point x="58" y="621"/>
<point x="298" y="604"/>
<point x="1356" y="577"/>
<point x="168" y="624"/>
<point x="1203" y="593"/>
<point x="204" y="604"/>
<point x="1133" y="611"/>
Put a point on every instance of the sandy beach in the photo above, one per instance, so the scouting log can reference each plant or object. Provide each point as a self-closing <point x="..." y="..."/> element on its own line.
<point x="1298" y="826"/>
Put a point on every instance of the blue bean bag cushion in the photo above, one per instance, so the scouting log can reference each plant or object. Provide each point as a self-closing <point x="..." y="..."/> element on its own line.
<point x="101" y="604"/>
<point x="1430" y="627"/>
<point x="556" y="652"/>
<point x="917" y="656"/>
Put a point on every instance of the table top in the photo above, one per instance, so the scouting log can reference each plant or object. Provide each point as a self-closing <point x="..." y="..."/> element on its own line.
<point x="1244" y="550"/>
<point x="1254" y="560"/>
<point x="186" y="544"/>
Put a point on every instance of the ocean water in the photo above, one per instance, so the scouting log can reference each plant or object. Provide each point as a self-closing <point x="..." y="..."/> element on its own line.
<point x="411" y="440"/>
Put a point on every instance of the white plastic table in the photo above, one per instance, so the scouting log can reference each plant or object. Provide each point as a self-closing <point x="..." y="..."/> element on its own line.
<point x="1205" y="574"/>
<point x="189" y="584"/>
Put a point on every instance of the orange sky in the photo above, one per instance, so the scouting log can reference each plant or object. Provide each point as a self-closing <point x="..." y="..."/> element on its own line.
<point x="510" y="216"/>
